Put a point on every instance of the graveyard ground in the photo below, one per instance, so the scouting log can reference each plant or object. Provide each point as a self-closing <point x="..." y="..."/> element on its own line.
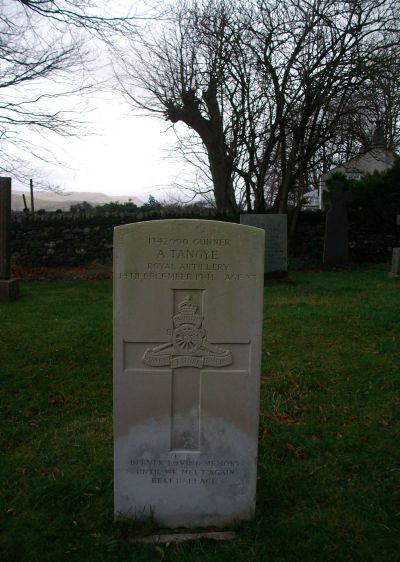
<point x="329" y="461"/>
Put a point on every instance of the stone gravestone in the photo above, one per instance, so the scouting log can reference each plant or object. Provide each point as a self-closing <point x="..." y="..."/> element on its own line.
<point x="395" y="271"/>
<point x="188" y="300"/>
<point x="336" y="243"/>
<point x="8" y="287"/>
<point x="275" y="228"/>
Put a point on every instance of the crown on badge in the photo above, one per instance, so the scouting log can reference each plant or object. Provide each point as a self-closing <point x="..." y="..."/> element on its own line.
<point x="187" y="314"/>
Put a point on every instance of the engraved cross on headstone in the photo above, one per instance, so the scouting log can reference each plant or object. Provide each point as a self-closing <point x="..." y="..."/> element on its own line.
<point x="187" y="356"/>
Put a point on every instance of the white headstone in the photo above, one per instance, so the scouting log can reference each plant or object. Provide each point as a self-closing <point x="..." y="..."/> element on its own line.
<point x="188" y="299"/>
<point x="275" y="228"/>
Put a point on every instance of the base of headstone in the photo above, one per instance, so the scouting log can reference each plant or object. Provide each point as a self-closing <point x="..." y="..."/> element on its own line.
<point x="9" y="289"/>
<point x="185" y="537"/>
<point x="335" y="262"/>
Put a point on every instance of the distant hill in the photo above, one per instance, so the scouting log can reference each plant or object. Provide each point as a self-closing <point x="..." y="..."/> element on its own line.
<point x="52" y="201"/>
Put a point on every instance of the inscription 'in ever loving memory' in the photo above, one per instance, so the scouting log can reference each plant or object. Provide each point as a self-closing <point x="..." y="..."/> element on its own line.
<point x="187" y="259"/>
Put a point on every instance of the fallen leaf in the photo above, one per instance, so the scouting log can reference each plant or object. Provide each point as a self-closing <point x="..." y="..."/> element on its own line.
<point x="293" y="383"/>
<point x="297" y="451"/>
<point x="284" y="418"/>
<point x="58" y="400"/>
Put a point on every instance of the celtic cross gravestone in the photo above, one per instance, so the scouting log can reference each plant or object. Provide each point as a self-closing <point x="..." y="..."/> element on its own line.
<point x="395" y="271"/>
<point x="187" y="344"/>
<point x="336" y="241"/>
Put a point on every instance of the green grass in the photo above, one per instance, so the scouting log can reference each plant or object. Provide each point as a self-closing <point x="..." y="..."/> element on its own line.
<point x="329" y="462"/>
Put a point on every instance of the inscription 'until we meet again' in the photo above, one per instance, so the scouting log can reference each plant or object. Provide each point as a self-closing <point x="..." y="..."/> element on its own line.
<point x="187" y="472"/>
<point x="187" y="259"/>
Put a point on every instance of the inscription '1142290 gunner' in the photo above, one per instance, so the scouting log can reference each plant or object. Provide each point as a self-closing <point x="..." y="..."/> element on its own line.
<point x="184" y="241"/>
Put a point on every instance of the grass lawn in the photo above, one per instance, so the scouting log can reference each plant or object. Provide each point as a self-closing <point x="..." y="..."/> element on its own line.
<point x="329" y="461"/>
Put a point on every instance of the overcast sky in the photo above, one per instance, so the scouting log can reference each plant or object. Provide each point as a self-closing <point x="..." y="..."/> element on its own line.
<point x="128" y="155"/>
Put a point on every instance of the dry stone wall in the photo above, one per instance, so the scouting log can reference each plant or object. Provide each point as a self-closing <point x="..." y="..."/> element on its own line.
<point x="61" y="240"/>
<point x="60" y="243"/>
<point x="65" y="240"/>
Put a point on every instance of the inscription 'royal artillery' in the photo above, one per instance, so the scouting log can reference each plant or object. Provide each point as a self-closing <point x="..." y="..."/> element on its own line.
<point x="188" y="346"/>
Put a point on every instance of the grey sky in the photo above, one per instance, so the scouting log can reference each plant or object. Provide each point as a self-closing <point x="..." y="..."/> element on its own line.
<point x="127" y="154"/>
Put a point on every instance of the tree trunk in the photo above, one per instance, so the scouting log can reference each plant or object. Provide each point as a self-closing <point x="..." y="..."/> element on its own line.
<point x="221" y="174"/>
<point x="288" y="168"/>
<point x="259" y="202"/>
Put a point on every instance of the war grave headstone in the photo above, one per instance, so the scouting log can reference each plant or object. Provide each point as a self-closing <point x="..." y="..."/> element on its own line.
<point x="9" y="288"/>
<point x="395" y="271"/>
<point x="188" y="299"/>
<point x="275" y="228"/>
<point x="336" y="242"/>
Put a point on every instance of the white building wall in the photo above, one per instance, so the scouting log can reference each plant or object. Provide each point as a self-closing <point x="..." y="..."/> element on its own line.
<point x="376" y="160"/>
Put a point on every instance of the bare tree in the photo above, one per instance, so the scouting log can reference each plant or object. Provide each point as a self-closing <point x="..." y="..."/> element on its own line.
<point x="315" y="55"/>
<point x="266" y="85"/>
<point x="182" y="71"/>
<point x="46" y="58"/>
<point x="349" y="129"/>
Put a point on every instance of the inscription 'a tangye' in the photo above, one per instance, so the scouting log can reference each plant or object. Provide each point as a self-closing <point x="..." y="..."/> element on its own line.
<point x="188" y="346"/>
<point x="186" y="254"/>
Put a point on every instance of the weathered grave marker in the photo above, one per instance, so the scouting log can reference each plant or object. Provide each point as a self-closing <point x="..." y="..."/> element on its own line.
<point x="275" y="228"/>
<point x="336" y="243"/>
<point x="8" y="287"/>
<point x="395" y="271"/>
<point x="187" y="349"/>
